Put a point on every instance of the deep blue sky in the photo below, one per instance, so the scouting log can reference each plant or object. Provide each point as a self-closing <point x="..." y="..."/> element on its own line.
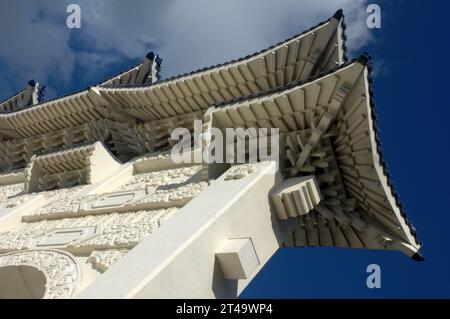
<point x="410" y="52"/>
<point x="414" y="113"/>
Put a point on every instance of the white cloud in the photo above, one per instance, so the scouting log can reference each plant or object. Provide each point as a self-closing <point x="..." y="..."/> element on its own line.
<point x="188" y="34"/>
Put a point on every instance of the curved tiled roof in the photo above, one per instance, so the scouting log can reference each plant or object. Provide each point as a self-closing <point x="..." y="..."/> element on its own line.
<point x="383" y="163"/>
<point x="366" y="61"/>
<point x="9" y="99"/>
<point x="299" y="57"/>
<point x="339" y="15"/>
<point x="68" y="111"/>
<point x="32" y="118"/>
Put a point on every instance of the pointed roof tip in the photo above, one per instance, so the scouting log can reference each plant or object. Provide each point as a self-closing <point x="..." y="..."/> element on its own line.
<point x="418" y="257"/>
<point x="151" y="55"/>
<point x="339" y="14"/>
<point x="365" y="59"/>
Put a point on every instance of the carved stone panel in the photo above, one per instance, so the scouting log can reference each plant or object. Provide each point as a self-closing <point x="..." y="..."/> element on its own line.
<point x="112" y="201"/>
<point x="240" y="171"/>
<point x="102" y="260"/>
<point x="116" y="230"/>
<point x="64" y="237"/>
<point x="60" y="269"/>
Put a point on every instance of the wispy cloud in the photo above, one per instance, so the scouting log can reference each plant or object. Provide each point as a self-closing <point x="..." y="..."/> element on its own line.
<point x="35" y="42"/>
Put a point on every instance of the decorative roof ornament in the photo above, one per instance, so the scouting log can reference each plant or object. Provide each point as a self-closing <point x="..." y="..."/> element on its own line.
<point x="33" y="94"/>
<point x="41" y="94"/>
<point x="151" y="65"/>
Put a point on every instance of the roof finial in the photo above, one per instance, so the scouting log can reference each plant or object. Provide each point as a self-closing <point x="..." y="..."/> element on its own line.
<point x="365" y="59"/>
<point x="149" y="70"/>
<point x="418" y="257"/>
<point x="339" y="14"/>
<point x="151" y="55"/>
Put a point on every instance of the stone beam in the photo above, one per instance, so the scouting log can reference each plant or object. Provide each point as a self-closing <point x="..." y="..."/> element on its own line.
<point x="180" y="261"/>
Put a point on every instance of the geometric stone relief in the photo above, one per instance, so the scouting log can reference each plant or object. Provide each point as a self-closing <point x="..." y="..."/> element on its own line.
<point x="168" y="188"/>
<point x="60" y="269"/>
<point x="55" y="196"/>
<point x="159" y="178"/>
<point x="102" y="260"/>
<point x="128" y="229"/>
<point x="240" y="171"/>
<point x="118" y="202"/>
<point x="64" y="237"/>
<point x="173" y="197"/>
<point x="116" y="230"/>
<point x="17" y="239"/>
<point x="111" y="201"/>
<point x="61" y="201"/>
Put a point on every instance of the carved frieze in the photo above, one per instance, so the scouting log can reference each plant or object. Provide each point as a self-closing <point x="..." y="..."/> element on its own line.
<point x="116" y="230"/>
<point x="240" y="171"/>
<point x="102" y="260"/>
<point x="161" y="189"/>
<point x="60" y="269"/>
<point x="159" y="178"/>
<point x="111" y="201"/>
<point x="64" y="237"/>
<point x="180" y="195"/>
